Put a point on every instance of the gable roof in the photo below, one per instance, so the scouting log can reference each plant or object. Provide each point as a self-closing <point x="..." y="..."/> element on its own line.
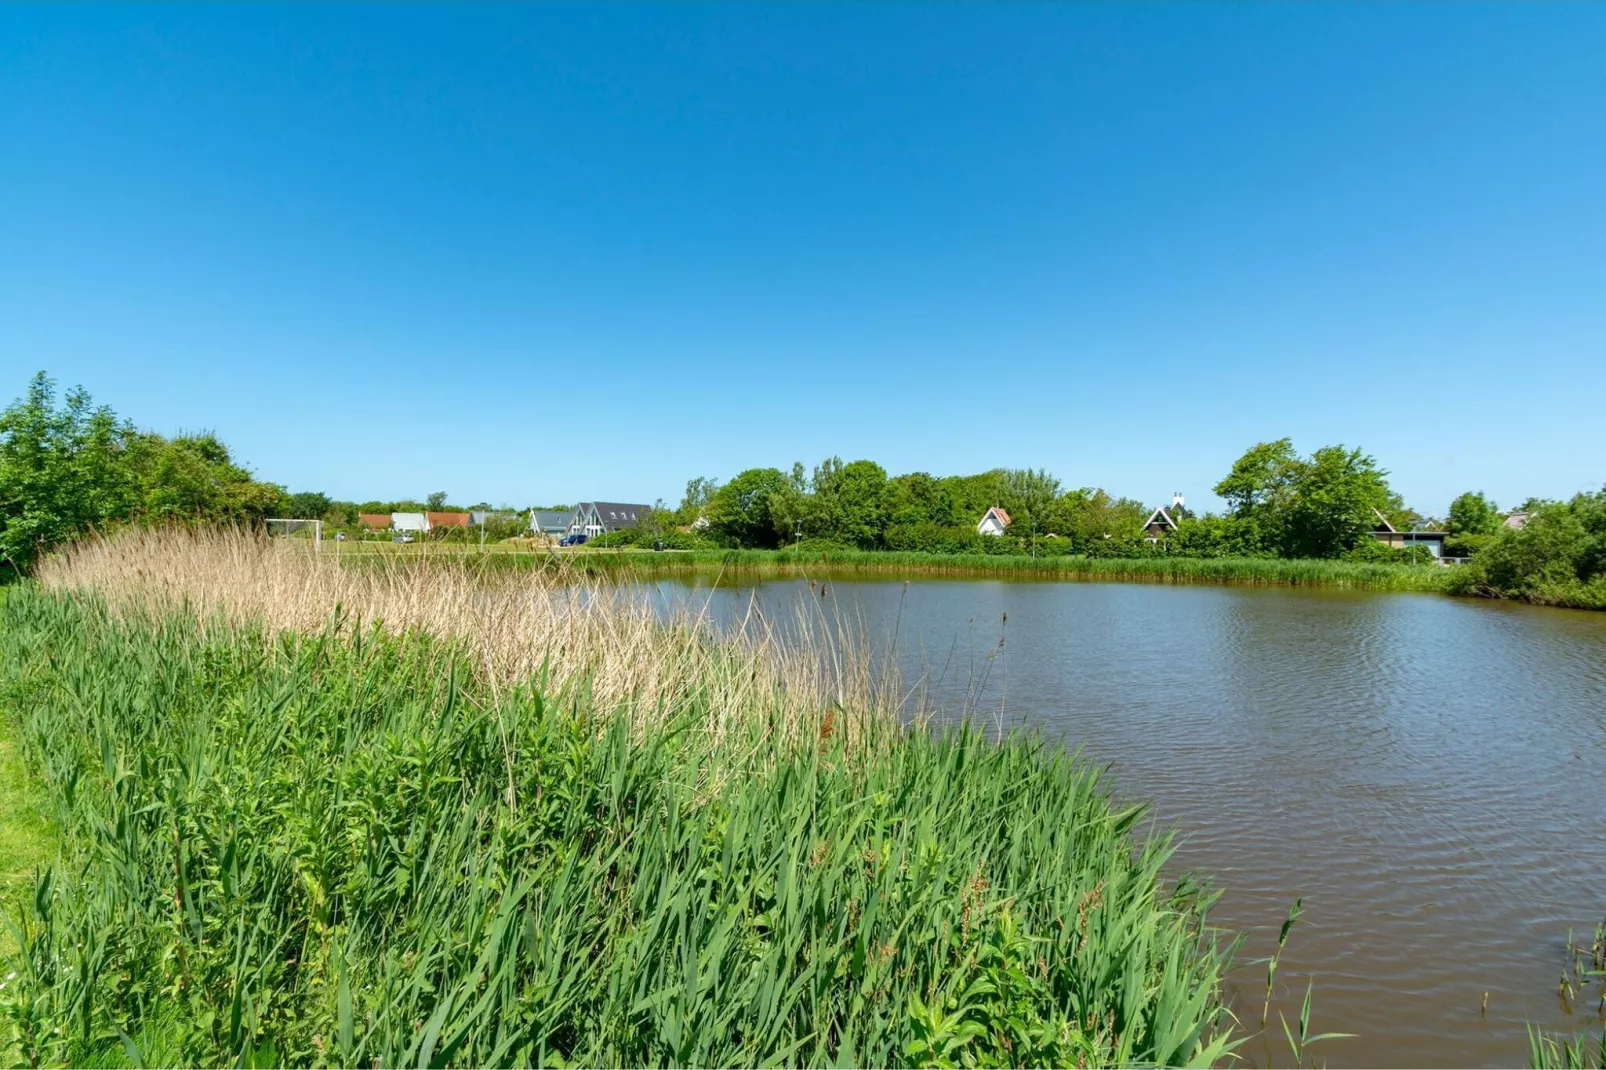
<point x="1163" y="516"/>
<point x="1381" y="519"/>
<point x="614" y="514"/>
<point x="998" y="511"/>
<point x="448" y="520"/>
<point x="549" y="519"/>
<point x="374" y="521"/>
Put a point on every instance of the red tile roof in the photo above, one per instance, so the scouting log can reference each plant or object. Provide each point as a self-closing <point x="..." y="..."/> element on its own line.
<point x="375" y="521"/>
<point x="448" y="520"/>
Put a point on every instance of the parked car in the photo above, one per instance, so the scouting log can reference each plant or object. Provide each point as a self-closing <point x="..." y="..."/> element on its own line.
<point x="572" y="540"/>
<point x="402" y="538"/>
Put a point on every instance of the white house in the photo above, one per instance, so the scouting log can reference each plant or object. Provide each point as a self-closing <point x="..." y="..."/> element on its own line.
<point x="993" y="523"/>
<point x="409" y="522"/>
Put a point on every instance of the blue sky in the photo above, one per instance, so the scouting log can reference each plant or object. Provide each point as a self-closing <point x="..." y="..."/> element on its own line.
<point x="551" y="253"/>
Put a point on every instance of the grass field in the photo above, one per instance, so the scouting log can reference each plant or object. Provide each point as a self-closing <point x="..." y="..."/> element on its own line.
<point x="319" y="815"/>
<point x="849" y="563"/>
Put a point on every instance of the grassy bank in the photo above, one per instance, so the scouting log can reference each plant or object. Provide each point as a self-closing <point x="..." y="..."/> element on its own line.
<point x="426" y="841"/>
<point x="849" y="563"/>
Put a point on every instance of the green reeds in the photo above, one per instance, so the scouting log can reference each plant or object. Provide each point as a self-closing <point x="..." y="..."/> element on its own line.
<point x="847" y="564"/>
<point x="1225" y="570"/>
<point x="356" y="848"/>
<point x="1582" y="990"/>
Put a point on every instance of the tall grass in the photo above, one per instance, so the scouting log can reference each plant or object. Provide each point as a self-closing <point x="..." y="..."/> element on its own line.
<point x="1157" y="569"/>
<point x="848" y="563"/>
<point x="292" y="838"/>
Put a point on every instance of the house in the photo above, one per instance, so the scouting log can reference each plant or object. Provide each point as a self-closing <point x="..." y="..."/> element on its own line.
<point x="993" y="522"/>
<point x="598" y="518"/>
<point x="374" y="521"/>
<point x="409" y="522"/>
<point x="1516" y="521"/>
<point x="446" y="520"/>
<point x="549" y="523"/>
<point x="1161" y="522"/>
<point x="1388" y="535"/>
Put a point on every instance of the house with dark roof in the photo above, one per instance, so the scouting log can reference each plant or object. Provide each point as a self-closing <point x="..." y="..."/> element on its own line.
<point x="549" y="523"/>
<point x="993" y="522"/>
<point x="1162" y="522"/>
<point x="599" y="518"/>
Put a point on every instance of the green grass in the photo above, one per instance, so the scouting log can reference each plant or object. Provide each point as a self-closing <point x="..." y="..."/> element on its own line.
<point x="26" y="839"/>
<point x="347" y="849"/>
<point x="850" y="563"/>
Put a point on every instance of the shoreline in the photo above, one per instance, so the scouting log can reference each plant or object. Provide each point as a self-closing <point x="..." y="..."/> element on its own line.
<point x="1226" y="571"/>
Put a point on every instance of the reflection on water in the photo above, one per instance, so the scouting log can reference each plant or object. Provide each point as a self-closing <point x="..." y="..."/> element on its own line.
<point x="1424" y="771"/>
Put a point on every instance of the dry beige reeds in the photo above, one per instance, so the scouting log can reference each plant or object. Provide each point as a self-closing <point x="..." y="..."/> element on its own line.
<point x="808" y="674"/>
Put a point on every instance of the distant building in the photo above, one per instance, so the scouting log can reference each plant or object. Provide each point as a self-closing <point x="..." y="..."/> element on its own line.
<point x="599" y="518"/>
<point x="993" y="522"/>
<point x="375" y="521"/>
<point x="1388" y="535"/>
<point x="446" y="520"/>
<point x="1161" y="522"/>
<point x="1516" y="521"/>
<point x="549" y="523"/>
<point x="410" y="522"/>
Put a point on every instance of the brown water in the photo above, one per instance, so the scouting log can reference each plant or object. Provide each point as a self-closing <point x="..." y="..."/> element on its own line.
<point x="1426" y="772"/>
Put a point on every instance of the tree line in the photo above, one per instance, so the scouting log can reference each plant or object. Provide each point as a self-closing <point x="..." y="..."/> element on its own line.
<point x="1280" y="504"/>
<point x="68" y="467"/>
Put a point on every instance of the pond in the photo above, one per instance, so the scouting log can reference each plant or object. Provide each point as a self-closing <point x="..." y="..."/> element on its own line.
<point x="1425" y="772"/>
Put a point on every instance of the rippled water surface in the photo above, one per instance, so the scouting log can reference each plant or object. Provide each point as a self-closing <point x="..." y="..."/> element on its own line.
<point x="1426" y="772"/>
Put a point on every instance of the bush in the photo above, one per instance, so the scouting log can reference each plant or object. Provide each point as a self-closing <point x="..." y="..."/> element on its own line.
<point x="644" y="538"/>
<point x="1373" y="552"/>
<point x="1559" y="558"/>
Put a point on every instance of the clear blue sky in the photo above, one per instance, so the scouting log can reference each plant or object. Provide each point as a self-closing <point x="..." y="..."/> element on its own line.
<point x="552" y="253"/>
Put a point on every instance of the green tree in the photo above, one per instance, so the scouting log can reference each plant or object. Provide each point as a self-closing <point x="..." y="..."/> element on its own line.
<point x="1473" y="514"/>
<point x="740" y="510"/>
<point x="1321" y="506"/>
<point x="1263" y="478"/>
<point x="1335" y="502"/>
<point x="847" y="505"/>
<point x="307" y="505"/>
<point x="193" y="477"/>
<point x="436" y="501"/>
<point x="1102" y="519"/>
<point x="62" y="471"/>
<point x="1027" y="497"/>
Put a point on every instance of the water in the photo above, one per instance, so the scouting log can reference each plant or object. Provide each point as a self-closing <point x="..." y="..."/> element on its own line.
<point x="1426" y="772"/>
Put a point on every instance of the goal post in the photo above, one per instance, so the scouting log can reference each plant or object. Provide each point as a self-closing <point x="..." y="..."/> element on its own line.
<point x="284" y="528"/>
